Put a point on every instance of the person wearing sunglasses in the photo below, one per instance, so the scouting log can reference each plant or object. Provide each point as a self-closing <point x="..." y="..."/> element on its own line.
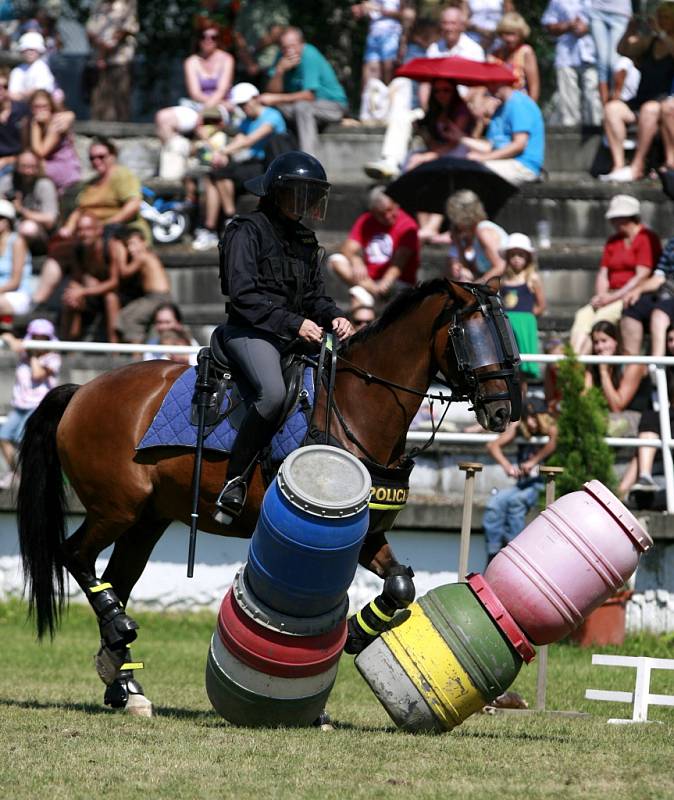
<point x="208" y="74"/>
<point x="112" y="28"/>
<point x="112" y="195"/>
<point x="12" y="116"/>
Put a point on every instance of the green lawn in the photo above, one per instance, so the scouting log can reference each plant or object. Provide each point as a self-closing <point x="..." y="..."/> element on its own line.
<point x="58" y="741"/>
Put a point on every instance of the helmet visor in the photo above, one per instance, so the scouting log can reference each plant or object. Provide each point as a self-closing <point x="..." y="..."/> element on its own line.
<point x="303" y="198"/>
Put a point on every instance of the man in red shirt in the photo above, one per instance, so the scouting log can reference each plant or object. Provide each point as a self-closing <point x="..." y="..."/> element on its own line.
<point x="380" y="252"/>
<point x="629" y="257"/>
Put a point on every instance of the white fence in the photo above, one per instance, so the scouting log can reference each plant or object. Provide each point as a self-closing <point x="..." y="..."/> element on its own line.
<point x="656" y="366"/>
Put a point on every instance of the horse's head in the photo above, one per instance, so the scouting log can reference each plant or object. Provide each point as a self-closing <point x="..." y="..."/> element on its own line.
<point x="478" y="355"/>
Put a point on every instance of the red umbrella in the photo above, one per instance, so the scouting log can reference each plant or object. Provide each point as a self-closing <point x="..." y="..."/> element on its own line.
<point x="453" y="68"/>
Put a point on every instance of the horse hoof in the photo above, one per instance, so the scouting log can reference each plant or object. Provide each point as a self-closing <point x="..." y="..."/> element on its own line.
<point x="138" y="706"/>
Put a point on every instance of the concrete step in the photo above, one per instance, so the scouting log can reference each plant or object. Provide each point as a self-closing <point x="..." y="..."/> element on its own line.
<point x="343" y="150"/>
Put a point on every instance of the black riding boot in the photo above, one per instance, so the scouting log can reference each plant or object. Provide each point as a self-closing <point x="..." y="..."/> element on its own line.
<point x="254" y="434"/>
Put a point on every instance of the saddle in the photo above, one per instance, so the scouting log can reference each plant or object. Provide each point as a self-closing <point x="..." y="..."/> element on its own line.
<point x="223" y="375"/>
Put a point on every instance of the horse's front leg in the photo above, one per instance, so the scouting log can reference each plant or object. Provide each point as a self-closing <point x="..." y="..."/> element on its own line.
<point x="398" y="592"/>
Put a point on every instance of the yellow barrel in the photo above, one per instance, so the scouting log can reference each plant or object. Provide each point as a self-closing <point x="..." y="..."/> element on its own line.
<point x="446" y="661"/>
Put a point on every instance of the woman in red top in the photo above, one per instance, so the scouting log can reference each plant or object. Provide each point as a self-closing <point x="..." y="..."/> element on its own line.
<point x="629" y="257"/>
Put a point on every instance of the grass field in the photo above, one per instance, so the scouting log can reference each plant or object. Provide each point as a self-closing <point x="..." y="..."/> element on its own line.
<point x="57" y="740"/>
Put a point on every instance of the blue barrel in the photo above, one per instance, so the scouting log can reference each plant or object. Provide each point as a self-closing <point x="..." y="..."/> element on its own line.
<point x="314" y="517"/>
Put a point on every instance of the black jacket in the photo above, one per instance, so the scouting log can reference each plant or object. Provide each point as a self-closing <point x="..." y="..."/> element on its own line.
<point x="270" y="270"/>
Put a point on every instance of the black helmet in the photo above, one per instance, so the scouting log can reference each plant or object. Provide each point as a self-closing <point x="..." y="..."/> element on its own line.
<point x="296" y="182"/>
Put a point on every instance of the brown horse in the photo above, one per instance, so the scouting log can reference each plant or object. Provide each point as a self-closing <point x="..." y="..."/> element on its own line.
<point x="91" y="432"/>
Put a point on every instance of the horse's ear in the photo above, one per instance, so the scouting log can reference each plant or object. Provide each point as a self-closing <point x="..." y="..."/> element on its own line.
<point x="464" y="297"/>
<point x="494" y="284"/>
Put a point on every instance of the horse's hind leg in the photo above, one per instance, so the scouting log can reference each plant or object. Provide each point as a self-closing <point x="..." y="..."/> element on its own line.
<point x="79" y="556"/>
<point x="115" y="666"/>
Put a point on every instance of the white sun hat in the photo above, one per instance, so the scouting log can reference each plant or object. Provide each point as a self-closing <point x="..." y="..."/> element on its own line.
<point x="243" y="92"/>
<point x="32" y="41"/>
<point x="518" y="241"/>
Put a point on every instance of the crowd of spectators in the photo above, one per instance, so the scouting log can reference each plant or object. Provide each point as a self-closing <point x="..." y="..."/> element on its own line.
<point x="265" y="89"/>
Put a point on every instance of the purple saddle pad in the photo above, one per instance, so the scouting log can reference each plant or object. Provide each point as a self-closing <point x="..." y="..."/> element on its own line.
<point x="171" y="426"/>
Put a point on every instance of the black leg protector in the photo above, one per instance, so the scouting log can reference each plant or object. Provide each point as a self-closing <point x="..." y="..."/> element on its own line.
<point x="118" y="692"/>
<point x="117" y="628"/>
<point x="372" y="620"/>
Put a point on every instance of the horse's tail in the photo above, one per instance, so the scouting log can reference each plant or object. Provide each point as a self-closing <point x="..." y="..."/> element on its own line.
<point x="41" y="507"/>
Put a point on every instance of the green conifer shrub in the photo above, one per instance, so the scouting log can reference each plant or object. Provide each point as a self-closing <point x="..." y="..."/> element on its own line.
<point x="582" y="426"/>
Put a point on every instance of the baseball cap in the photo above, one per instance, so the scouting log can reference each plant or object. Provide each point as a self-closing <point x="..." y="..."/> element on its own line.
<point x="32" y="41"/>
<point x="623" y="205"/>
<point x="242" y="92"/>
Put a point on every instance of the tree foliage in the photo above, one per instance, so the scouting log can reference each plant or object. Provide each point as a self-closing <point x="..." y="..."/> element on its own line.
<point x="582" y="426"/>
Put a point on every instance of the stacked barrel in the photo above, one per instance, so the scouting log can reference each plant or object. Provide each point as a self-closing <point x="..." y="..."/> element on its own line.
<point x="462" y="645"/>
<point x="282" y="625"/>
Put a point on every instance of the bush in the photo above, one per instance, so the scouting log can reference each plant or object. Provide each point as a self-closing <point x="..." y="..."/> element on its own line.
<point x="582" y="426"/>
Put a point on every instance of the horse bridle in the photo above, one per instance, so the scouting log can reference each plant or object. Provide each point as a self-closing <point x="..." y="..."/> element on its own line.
<point x="489" y="304"/>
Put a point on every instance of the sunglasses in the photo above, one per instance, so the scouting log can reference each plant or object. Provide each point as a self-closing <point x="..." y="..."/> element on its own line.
<point x="98" y="157"/>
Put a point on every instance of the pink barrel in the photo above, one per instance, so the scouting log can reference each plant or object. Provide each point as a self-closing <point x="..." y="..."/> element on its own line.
<point x="567" y="562"/>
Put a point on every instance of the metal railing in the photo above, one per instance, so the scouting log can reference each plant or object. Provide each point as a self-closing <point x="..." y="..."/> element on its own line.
<point x="656" y="365"/>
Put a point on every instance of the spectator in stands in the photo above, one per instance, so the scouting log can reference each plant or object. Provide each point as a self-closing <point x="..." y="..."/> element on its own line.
<point x="258" y="28"/>
<point x="112" y="28"/>
<point x="483" y="19"/>
<point x="12" y="115"/>
<point x="638" y="477"/>
<point x="627" y="389"/>
<point x="175" y="337"/>
<point x="453" y="42"/>
<point x="208" y="74"/>
<point x="305" y="88"/>
<point x="93" y="269"/>
<point x="144" y="270"/>
<point x="523" y="296"/>
<point x="37" y="372"/>
<point x="608" y="19"/>
<point x="242" y="158"/>
<point x="50" y="137"/>
<point x="442" y="129"/>
<point x="15" y="265"/>
<point x="475" y="252"/>
<point x="653" y="107"/>
<point x="650" y="305"/>
<point x="381" y="251"/>
<point x="514" y="51"/>
<point x="384" y="35"/>
<point x="113" y="195"/>
<point x="34" y="72"/>
<point x="629" y="257"/>
<point x="168" y="318"/>
<point x="505" y="513"/>
<point x="514" y="147"/>
<point x="575" y="62"/>
<point x="35" y="201"/>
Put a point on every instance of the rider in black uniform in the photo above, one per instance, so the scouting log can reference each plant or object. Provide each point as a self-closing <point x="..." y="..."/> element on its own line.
<point x="270" y="270"/>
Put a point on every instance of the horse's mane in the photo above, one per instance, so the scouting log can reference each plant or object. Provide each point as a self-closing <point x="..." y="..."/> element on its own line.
<point x="398" y="307"/>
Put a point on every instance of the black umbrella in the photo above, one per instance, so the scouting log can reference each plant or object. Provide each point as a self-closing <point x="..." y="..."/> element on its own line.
<point x="427" y="187"/>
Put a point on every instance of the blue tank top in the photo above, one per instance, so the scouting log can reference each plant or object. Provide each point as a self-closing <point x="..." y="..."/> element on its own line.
<point x="518" y="298"/>
<point x="6" y="265"/>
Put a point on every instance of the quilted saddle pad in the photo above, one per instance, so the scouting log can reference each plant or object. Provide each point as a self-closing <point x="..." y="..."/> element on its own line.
<point x="171" y="426"/>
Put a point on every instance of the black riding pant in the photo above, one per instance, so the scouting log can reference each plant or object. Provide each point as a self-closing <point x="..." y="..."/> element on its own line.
<point x="259" y="359"/>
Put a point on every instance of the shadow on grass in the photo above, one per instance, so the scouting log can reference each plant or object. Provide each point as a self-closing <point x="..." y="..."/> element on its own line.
<point x="91" y="708"/>
<point x="524" y="736"/>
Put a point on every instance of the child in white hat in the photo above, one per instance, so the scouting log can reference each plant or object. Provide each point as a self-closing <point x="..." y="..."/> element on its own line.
<point x="34" y="73"/>
<point x="523" y="296"/>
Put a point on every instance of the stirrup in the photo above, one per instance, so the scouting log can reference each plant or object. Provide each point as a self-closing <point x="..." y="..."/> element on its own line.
<point x="231" y="501"/>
